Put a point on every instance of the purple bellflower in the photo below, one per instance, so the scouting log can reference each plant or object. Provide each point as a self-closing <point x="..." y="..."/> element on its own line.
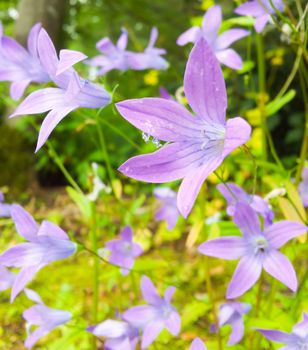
<point x="197" y="344"/>
<point x="232" y="313"/>
<point x="124" y="250"/>
<point x="5" y="209"/>
<point x="120" y="335"/>
<point x="154" y="317"/>
<point x="196" y="145"/>
<point x="261" y="10"/>
<point x="168" y="210"/>
<point x="46" y="243"/>
<point x="257" y="250"/>
<point x="296" y="340"/>
<point x="20" y="66"/>
<point x="219" y="43"/>
<point x="234" y="194"/>
<point x="303" y="187"/>
<point x="72" y="92"/>
<point x="42" y="316"/>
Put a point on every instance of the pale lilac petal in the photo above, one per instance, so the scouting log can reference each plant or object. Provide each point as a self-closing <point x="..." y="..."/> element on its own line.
<point x="246" y="219"/>
<point x="149" y="292"/>
<point x="277" y="336"/>
<point x="18" y="88"/>
<point x="136" y="250"/>
<point x="68" y="58"/>
<point x="49" y="229"/>
<point x="33" y="39"/>
<point x="47" y="53"/>
<point x="35" y="336"/>
<point x="153" y="37"/>
<point x="204" y="84"/>
<point x="169" y="294"/>
<point x="7" y="278"/>
<point x="226" y="311"/>
<point x="33" y="296"/>
<point x="173" y="323"/>
<point x="245" y="276"/>
<point x="230" y="58"/>
<point x="228" y="248"/>
<point x="121" y="343"/>
<point x="24" y="276"/>
<point x="40" y="101"/>
<point x="109" y="329"/>
<point x="170" y="163"/>
<point x="229" y="37"/>
<point x="280" y="267"/>
<point x="164" y="119"/>
<point x="301" y="328"/>
<point x="197" y="344"/>
<point x="232" y="193"/>
<point x="122" y="41"/>
<point x="150" y="333"/>
<point x="106" y="46"/>
<point x="281" y="232"/>
<point x="52" y="119"/>
<point x="189" y="36"/>
<point x="140" y="315"/>
<point x="21" y="255"/>
<point x="127" y="234"/>
<point x="192" y="183"/>
<point x="211" y="23"/>
<point x="15" y="53"/>
<point x="237" y="332"/>
<point x="25" y="225"/>
<point x="250" y="8"/>
<point x="261" y="22"/>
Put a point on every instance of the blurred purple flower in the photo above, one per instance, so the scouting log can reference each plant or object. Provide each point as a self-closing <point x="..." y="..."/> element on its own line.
<point x="197" y="145"/>
<point x="197" y="344"/>
<point x="120" y="335"/>
<point x="165" y="94"/>
<point x="168" y="210"/>
<point x="303" y="187"/>
<point x="296" y="340"/>
<point x="150" y="58"/>
<point x="219" y="43"/>
<point x="257" y="250"/>
<point x="156" y="316"/>
<point x="261" y="10"/>
<point x="46" y="243"/>
<point x="44" y="317"/>
<point x="7" y="279"/>
<point x="21" y="66"/>
<point x="235" y="194"/>
<point x="232" y="313"/>
<point x="73" y="92"/>
<point x="5" y="209"/>
<point x="124" y="250"/>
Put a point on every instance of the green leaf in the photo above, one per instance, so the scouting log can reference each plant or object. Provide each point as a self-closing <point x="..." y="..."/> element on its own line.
<point x="274" y="106"/>
<point x="82" y="202"/>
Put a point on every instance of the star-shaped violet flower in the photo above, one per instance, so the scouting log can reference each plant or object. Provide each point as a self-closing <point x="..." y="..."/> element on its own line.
<point x="20" y="66"/>
<point x="46" y="243"/>
<point x="196" y="145"/>
<point x="296" y="340"/>
<point x="197" y="344"/>
<point x="124" y="250"/>
<point x="261" y="10"/>
<point x="44" y="317"/>
<point x="303" y="187"/>
<point x="120" y="335"/>
<point x="72" y="92"/>
<point x="168" y="210"/>
<point x="232" y="313"/>
<point x="219" y="43"/>
<point x="257" y="250"/>
<point x="234" y="194"/>
<point x="5" y="209"/>
<point x="154" y="317"/>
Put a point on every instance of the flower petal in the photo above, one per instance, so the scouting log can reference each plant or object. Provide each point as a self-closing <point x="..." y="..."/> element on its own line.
<point x="149" y="291"/>
<point x="18" y="88"/>
<point x="211" y="23"/>
<point x="68" y="58"/>
<point x="122" y="41"/>
<point x="261" y="22"/>
<point x="281" y="232"/>
<point x="250" y="8"/>
<point x="109" y="329"/>
<point x="25" y="225"/>
<point x="127" y="234"/>
<point x="140" y="315"/>
<point x="22" y="255"/>
<point x="150" y="333"/>
<point x="237" y="331"/>
<point x="277" y="336"/>
<point x="229" y="37"/>
<point x="245" y="276"/>
<point x="24" y="276"/>
<point x="169" y="294"/>
<point x="173" y="323"/>
<point x="197" y="344"/>
<point x="48" y="228"/>
<point x="246" y="219"/>
<point x="230" y="58"/>
<point x="228" y="248"/>
<point x="204" y="84"/>
<point x="238" y="132"/>
<point x="35" y="336"/>
<point x="280" y="267"/>
<point x="47" y="53"/>
<point x="164" y="119"/>
<point x="191" y="35"/>
<point x="33" y="39"/>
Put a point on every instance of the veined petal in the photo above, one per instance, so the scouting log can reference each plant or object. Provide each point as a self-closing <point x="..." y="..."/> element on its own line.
<point x="229" y="37"/>
<point x="250" y="8"/>
<point x="24" y="276"/>
<point x="150" y="333"/>
<point x="17" y="88"/>
<point x="170" y="163"/>
<point x="204" y="84"/>
<point x="25" y="225"/>
<point x="193" y="181"/>
<point x="140" y="315"/>
<point x="277" y="336"/>
<point x="35" y="336"/>
<point x="109" y="329"/>
<point x="149" y="292"/>
<point x="230" y="58"/>
<point x="40" y="101"/>
<point x="49" y="229"/>
<point x="191" y="35"/>
<point x="237" y="332"/>
<point x="261" y="22"/>
<point x="232" y="192"/>
<point x="197" y="344"/>
<point x="280" y="267"/>
<point x="164" y="119"/>
<point x="33" y="39"/>
<point x="47" y="53"/>
<point x="212" y="22"/>
<point x="52" y="119"/>
<point x="228" y="248"/>
<point x="173" y="323"/>
<point x="68" y="58"/>
<point x="246" y="219"/>
<point x="238" y="132"/>
<point x="281" y="232"/>
<point x="169" y="294"/>
<point x="13" y="51"/>
<point x="245" y="276"/>
<point x="22" y="255"/>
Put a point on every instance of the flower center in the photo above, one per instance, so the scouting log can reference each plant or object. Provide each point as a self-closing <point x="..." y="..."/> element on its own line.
<point x="126" y="247"/>
<point x="260" y="244"/>
<point x="213" y="133"/>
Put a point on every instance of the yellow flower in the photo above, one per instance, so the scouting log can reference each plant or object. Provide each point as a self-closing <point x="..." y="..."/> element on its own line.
<point x="151" y="78"/>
